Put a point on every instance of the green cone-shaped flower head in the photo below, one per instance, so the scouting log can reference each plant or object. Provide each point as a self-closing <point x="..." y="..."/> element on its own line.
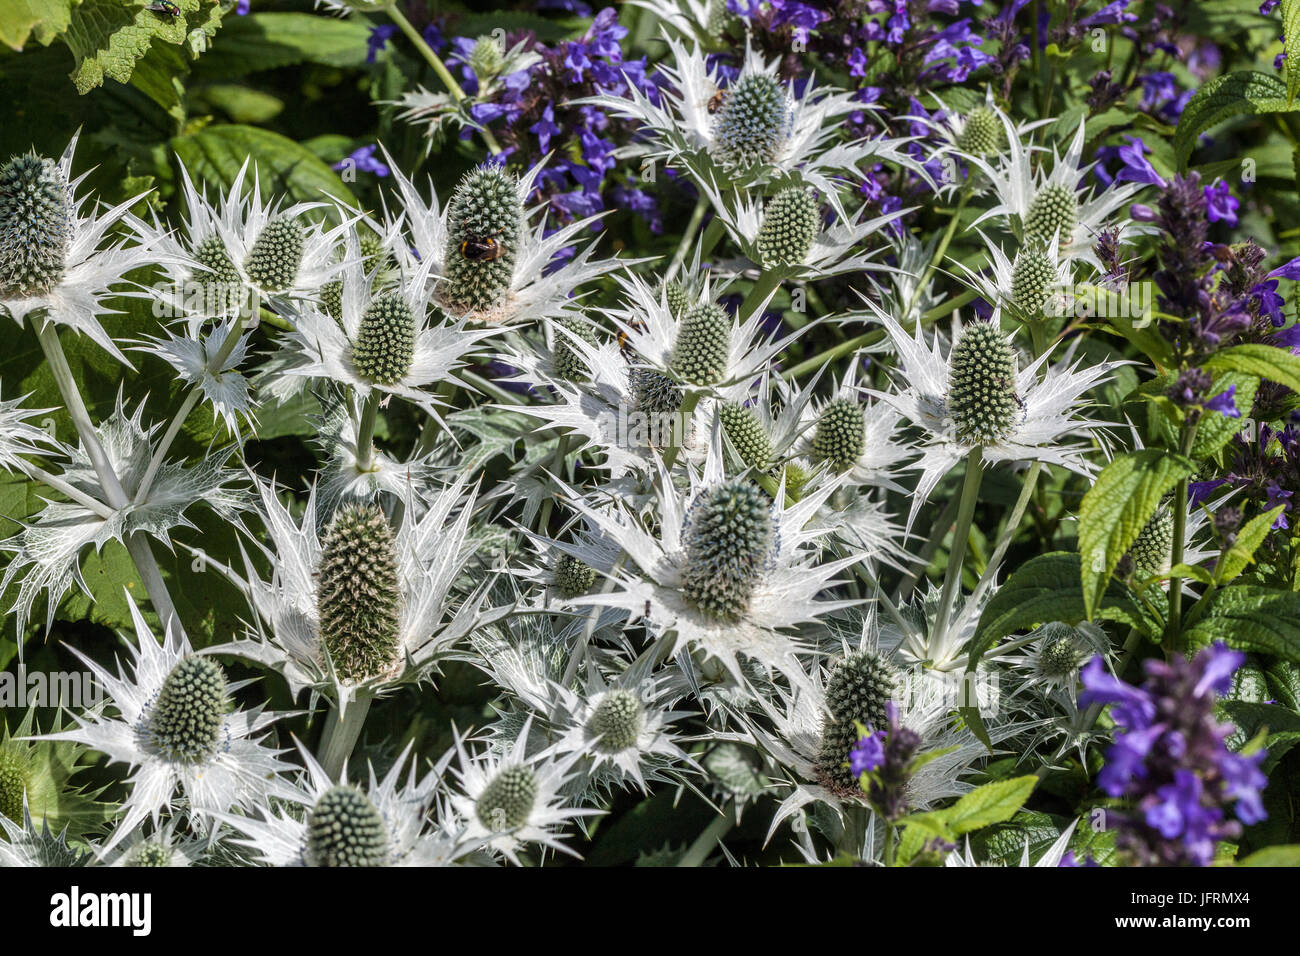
<point x="1054" y="211"/>
<point x="1032" y="279"/>
<point x="187" y="721"/>
<point x="487" y="57"/>
<point x="841" y="435"/>
<point x="508" y="799"/>
<point x="219" y="268"/>
<point x="790" y="226"/>
<point x="754" y="121"/>
<point x="359" y="594"/>
<point x="982" y="133"/>
<point x="276" y="256"/>
<point x="385" y="343"/>
<point x="1152" y="552"/>
<point x="652" y="393"/>
<point x="728" y="538"/>
<point x="618" y="719"/>
<point x="568" y="364"/>
<point x="745" y="432"/>
<point x="678" y="298"/>
<point x="15" y="775"/>
<point x="982" y="385"/>
<point x="344" y="828"/>
<point x="703" y="343"/>
<point x="484" y="226"/>
<point x="859" y="687"/>
<point x="35" y="225"/>
<point x="1061" y="651"/>
<point x="149" y="854"/>
<point x="572" y="576"/>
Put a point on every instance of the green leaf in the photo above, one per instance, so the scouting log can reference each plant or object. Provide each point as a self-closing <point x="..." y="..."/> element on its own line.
<point x="1117" y="507"/>
<point x="109" y="37"/>
<point x="268" y="41"/>
<point x="1287" y="855"/>
<point x="1291" y="40"/>
<point x="989" y="804"/>
<point x="1247" y="92"/>
<point x="19" y="19"/>
<point x="1250" y="618"/>
<point x="1262" y="361"/>
<point x="216" y="153"/>
<point x="1046" y="589"/>
<point x="1242" y="552"/>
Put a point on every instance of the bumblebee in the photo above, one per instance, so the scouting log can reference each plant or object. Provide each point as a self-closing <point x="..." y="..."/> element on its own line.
<point x="165" y="8"/>
<point x="481" y="248"/>
<point x="715" y="102"/>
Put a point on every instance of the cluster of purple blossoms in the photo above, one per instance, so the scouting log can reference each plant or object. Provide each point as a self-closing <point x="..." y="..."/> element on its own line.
<point x="529" y="113"/>
<point x="1170" y="760"/>
<point x="1265" y="471"/>
<point x="888" y="757"/>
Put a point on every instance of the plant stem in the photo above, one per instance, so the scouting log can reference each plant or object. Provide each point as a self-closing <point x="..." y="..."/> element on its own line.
<point x="366" y="431"/>
<point x="697" y="217"/>
<point x="61" y="486"/>
<point x="1173" y="636"/>
<point x="935" y="259"/>
<point x="699" y="851"/>
<point x="439" y="68"/>
<point x="970" y="491"/>
<point x="1009" y="532"/>
<point x="767" y="282"/>
<point x="684" y="417"/>
<point x="137" y="545"/>
<point x="178" y="420"/>
<point x="341" y="734"/>
<point x="890" y="847"/>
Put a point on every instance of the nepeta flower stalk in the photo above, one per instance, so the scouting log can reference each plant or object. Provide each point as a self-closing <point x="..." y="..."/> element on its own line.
<point x="1170" y="761"/>
<point x="888" y="757"/>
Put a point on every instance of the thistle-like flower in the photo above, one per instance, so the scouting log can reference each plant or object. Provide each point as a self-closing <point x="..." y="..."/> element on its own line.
<point x="384" y="822"/>
<point x="177" y="729"/>
<point x="47" y="550"/>
<point x="362" y="606"/>
<point x="976" y="397"/>
<point x="509" y="799"/>
<point x="727" y="575"/>
<point x="54" y="263"/>
<point x="487" y="256"/>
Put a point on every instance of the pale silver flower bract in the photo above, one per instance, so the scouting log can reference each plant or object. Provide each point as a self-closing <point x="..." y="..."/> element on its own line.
<point x="280" y="833"/>
<point x="203" y="359"/>
<point x="239" y="771"/>
<point x="50" y="546"/>
<point x="19" y="437"/>
<point x="1048" y="400"/>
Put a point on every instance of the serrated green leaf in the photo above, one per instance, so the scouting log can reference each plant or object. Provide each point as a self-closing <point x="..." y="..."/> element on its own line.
<point x="1250" y="618"/>
<point x="1245" y="93"/>
<point x="1287" y="855"/>
<point x="1242" y="552"/>
<point x="989" y="804"/>
<point x="216" y="153"/>
<point x="1117" y="507"/>
<point x="19" y="19"/>
<point x="268" y="41"/>
<point x="1291" y="39"/>
<point x="109" y="37"/>
<point x="1262" y="361"/>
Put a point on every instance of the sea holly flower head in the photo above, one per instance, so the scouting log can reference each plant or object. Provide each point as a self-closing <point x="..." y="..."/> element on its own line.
<point x="177" y="730"/>
<point x="57" y="263"/>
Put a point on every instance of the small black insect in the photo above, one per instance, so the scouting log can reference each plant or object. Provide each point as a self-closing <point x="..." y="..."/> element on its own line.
<point x="165" y="8"/>
<point x="481" y="248"/>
